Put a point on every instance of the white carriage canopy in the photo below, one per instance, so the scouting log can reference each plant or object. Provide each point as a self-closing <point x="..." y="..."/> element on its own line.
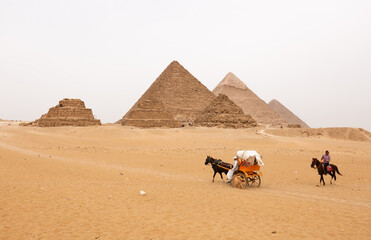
<point x="250" y="156"/>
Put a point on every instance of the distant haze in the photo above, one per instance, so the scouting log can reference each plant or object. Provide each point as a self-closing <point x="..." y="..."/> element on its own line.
<point x="312" y="56"/>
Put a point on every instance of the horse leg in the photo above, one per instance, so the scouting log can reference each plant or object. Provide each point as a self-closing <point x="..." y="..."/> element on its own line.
<point x="322" y="180"/>
<point x="214" y="175"/>
<point x="332" y="176"/>
<point x="221" y="175"/>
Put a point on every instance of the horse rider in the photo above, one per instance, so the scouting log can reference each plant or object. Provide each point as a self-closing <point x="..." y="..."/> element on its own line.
<point x="326" y="161"/>
<point x="231" y="171"/>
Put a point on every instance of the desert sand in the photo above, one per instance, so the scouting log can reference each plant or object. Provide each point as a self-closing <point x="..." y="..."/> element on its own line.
<point x="84" y="183"/>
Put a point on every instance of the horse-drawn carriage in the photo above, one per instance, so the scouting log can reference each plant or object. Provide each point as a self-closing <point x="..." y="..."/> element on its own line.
<point x="247" y="172"/>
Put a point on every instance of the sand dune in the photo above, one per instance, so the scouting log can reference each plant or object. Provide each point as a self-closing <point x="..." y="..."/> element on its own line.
<point x="84" y="183"/>
<point x="353" y="134"/>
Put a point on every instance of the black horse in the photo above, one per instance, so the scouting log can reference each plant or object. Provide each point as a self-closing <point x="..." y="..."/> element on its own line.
<point x="218" y="166"/>
<point x="317" y="164"/>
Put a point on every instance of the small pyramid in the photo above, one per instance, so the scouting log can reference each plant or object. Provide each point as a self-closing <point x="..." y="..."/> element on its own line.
<point x="251" y="104"/>
<point x="222" y="112"/>
<point x="69" y="112"/>
<point x="286" y="114"/>
<point x="182" y="96"/>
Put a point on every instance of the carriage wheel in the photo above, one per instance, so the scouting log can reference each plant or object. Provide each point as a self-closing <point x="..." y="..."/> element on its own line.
<point x="239" y="181"/>
<point x="254" y="181"/>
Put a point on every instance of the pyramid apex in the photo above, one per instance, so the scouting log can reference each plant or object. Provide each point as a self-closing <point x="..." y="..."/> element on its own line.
<point x="273" y="101"/>
<point x="233" y="81"/>
<point x="174" y="65"/>
<point x="174" y="62"/>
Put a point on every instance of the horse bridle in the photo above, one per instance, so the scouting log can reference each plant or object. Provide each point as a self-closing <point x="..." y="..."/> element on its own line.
<point x="315" y="165"/>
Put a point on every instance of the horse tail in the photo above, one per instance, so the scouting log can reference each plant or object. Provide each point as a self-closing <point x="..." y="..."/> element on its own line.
<point x="337" y="170"/>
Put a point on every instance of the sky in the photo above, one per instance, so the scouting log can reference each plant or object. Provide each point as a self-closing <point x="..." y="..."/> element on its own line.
<point x="312" y="56"/>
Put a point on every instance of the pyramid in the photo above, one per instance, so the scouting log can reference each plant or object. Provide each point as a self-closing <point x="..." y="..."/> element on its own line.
<point x="286" y="114"/>
<point x="222" y="112"/>
<point x="182" y="95"/>
<point x="69" y="112"/>
<point x="150" y="113"/>
<point x="250" y="103"/>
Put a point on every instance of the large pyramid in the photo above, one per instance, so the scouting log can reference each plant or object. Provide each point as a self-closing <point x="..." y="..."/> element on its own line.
<point x="222" y="112"/>
<point x="286" y="114"/>
<point x="182" y="96"/>
<point x="250" y="103"/>
<point x="69" y="112"/>
<point x="150" y="113"/>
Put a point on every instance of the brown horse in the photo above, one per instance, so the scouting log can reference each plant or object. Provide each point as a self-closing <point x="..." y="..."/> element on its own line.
<point x="218" y="166"/>
<point x="317" y="164"/>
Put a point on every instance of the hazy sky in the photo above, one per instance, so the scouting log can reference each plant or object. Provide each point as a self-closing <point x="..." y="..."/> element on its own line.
<point x="313" y="56"/>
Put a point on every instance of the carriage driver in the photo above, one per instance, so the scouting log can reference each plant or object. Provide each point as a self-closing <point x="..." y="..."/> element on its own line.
<point x="326" y="161"/>
<point x="231" y="171"/>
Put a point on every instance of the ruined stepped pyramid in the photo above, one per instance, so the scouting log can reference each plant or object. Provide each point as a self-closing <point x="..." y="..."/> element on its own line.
<point x="250" y="103"/>
<point x="175" y="97"/>
<point x="286" y="114"/>
<point x="69" y="112"/>
<point x="222" y="112"/>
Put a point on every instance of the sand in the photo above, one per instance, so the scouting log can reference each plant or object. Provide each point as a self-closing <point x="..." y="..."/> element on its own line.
<point x="84" y="183"/>
<point x="353" y="134"/>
